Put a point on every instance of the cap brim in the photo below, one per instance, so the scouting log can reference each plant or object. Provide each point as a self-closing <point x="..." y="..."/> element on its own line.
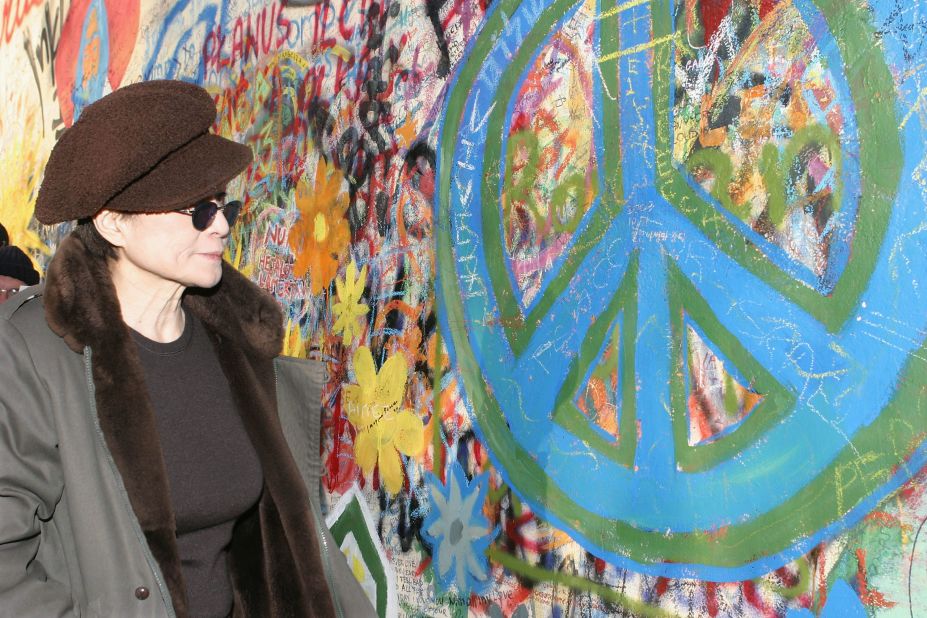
<point x="197" y="171"/>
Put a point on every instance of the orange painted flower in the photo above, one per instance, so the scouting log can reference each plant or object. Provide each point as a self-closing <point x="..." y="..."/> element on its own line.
<point x="320" y="236"/>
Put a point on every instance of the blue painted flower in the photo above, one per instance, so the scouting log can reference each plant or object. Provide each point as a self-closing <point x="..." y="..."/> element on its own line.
<point x="457" y="531"/>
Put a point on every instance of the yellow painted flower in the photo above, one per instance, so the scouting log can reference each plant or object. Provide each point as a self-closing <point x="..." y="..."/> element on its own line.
<point x="321" y="235"/>
<point x="348" y="308"/>
<point x="384" y="429"/>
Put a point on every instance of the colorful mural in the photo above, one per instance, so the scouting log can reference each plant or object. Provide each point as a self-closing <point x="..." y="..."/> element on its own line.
<point x="621" y="301"/>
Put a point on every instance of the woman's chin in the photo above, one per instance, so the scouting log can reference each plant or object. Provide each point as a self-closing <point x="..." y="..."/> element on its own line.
<point x="206" y="280"/>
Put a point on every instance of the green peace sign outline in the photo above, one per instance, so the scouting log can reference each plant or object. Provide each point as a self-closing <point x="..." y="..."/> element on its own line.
<point x="872" y="464"/>
<point x="879" y="140"/>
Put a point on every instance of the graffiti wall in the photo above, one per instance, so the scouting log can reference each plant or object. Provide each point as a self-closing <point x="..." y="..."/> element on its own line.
<point x="622" y="302"/>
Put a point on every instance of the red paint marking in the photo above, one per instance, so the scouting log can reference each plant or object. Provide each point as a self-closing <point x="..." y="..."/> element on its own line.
<point x="14" y="12"/>
<point x="519" y="122"/>
<point x="478" y="453"/>
<point x="424" y="565"/>
<point x="251" y="35"/>
<point x="765" y="7"/>
<point x="885" y="519"/>
<point x="787" y="577"/>
<point x="662" y="586"/>
<point x="517" y="597"/>
<point x="752" y="596"/>
<point x="713" y="11"/>
<point x="711" y="598"/>
<point x="341" y="469"/>
<point x="265" y="28"/>
<point x="822" y="577"/>
<point x="343" y="19"/>
<point x="873" y="598"/>
<point x="512" y="527"/>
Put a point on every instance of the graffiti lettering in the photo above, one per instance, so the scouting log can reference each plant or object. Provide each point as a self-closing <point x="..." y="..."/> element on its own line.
<point x="252" y="36"/>
<point x="14" y="12"/>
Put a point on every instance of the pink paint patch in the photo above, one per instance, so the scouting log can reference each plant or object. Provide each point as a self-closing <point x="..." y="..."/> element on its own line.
<point x="817" y="168"/>
<point x="543" y="261"/>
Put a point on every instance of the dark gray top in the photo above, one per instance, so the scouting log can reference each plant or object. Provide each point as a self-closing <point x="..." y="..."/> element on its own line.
<point x="212" y="467"/>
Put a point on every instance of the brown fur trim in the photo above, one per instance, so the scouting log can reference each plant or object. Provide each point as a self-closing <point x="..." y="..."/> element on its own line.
<point x="300" y="587"/>
<point x="80" y="301"/>
<point x="163" y="545"/>
<point x="81" y="305"/>
<point x="241" y="311"/>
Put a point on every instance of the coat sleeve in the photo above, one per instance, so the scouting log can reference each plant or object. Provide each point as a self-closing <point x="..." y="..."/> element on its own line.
<point x="31" y="485"/>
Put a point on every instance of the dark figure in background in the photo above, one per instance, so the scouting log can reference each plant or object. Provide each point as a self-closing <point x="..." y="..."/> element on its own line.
<point x="16" y="271"/>
<point x="144" y="467"/>
<point x="4" y="236"/>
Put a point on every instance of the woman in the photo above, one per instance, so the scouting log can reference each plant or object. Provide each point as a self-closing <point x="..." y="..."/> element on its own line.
<point x="143" y="468"/>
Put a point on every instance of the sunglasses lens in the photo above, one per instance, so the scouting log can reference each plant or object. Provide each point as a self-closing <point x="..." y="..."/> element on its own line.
<point x="231" y="211"/>
<point x="203" y="214"/>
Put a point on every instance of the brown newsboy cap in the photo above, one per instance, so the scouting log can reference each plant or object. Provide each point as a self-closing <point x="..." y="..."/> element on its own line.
<point x="145" y="147"/>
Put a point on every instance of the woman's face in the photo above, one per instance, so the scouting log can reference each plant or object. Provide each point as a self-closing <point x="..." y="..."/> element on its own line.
<point x="166" y="247"/>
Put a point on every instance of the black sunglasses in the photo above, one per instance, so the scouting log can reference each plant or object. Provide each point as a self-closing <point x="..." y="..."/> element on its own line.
<point x="204" y="212"/>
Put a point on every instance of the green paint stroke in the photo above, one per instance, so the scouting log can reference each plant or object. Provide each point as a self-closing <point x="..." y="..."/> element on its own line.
<point x="719" y="164"/>
<point x="776" y="172"/>
<point x="519" y="328"/>
<point x="352" y="520"/>
<point x="881" y="159"/>
<point x="572" y="188"/>
<point x="731" y="404"/>
<point x="437" y="414"/>
<point x="567" y="414"/>
<point x="774" y="181"/>
<point x="790" y="593"/>
<point x="574" y="582"/>
<point x="777" y="401"/>
<point x="522" y="190"/>
<point x="525" y="141"/>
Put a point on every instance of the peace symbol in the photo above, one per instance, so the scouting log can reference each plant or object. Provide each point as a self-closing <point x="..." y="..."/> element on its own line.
<point x="652" y="260"/>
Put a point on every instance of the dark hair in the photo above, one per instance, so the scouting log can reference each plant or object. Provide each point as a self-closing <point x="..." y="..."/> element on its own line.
<point x="98" y="246"/>
<point x="4" y="237"/>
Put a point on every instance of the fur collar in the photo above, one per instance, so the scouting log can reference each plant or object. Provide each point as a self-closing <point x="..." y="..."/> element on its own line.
<point x="81" y="304"/>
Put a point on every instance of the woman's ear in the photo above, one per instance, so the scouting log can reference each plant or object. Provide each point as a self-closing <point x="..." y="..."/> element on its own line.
<point x="112" y="226"/>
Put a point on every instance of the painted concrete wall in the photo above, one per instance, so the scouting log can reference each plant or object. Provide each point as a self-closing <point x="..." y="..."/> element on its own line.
<point x="622" y="302"/>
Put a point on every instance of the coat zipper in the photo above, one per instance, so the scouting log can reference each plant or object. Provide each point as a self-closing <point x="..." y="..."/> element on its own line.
<point x="153" y="565"/>
<point x="320" y="534"/>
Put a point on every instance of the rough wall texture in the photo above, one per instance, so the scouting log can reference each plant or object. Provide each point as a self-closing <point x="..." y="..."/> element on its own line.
<point x="622" y="302"/>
